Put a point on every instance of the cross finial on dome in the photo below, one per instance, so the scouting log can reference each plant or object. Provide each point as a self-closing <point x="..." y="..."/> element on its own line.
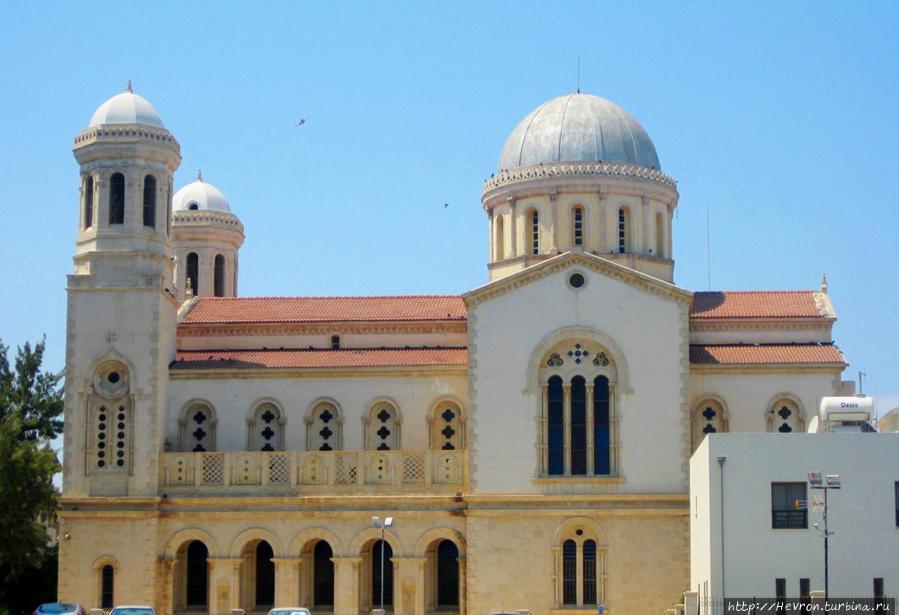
<point x="128" y="87"/>
<point x="199" y="175"/>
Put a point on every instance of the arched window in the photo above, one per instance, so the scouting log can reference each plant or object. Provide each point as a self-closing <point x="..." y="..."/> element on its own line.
<point x="150" y="201"/>
<point x="88" y="201"/>
<point x="785" y="417"/>
<point x="577" y="421"/>
<point x="111" y="418"/>
<point x="107" y="586"/>
<point x="500" y="241"/>
<point x="265" y="575"/>
<point x="335" y="342"/>
<point x="555" y="436"/>
<point x="447" y="574"/>
<point x="219" y="276"/>
<point x="267" y="428"/>
<point x="660" y="236"/>
<point x="708" y="417"/>
<point x="323" y="575"/>
<point x="117" y="199"/>
<point x="535" y="232"/>
<point x="602" y="429"/>
<point x="577" y="231"/>
<point x="197" y="574"/>
<point x="623" y="230"/>
<point x="324" y="428"/>
<point x="192" y="275"/>
<point x="447" y="427"/>
<point x="580" y="566"/>
<point x="198" y="428"/>
<point x="383" y="428"/>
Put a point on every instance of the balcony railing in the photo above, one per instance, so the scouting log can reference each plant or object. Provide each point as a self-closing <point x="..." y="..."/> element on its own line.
<point x="314" y="471"/>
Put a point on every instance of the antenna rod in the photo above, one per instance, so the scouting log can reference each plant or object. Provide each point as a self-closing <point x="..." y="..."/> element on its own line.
<point x="861" y="388"/>
<point x="579" y="74"/>
<point x="708" y="245"/>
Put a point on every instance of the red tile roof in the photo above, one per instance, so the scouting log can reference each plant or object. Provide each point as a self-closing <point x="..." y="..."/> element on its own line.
<point x="321" y="358"/>
<point x="765" y="354"/>
<point x="218" y="310"/>
<point x="757" y="304"/>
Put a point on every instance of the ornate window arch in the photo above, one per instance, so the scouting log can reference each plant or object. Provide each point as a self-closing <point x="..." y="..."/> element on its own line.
<point x="382" y="426"/>
<point x="578" y="379"/>
<point x="447" y="423"/>
<point x="266" y="427"/>
<point x="785" y="415"/>
<point x="580" y="565"/>
<point x="324" y="426"/>
<point x="196" y="427"/>
<point x="578" y="223"/>
<point x="110" y="418"/>
<point x="709" y="416"/>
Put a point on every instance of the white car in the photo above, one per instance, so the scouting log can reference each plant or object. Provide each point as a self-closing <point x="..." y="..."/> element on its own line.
<point x="287" y="610"/>
<point x="133" y="610"/>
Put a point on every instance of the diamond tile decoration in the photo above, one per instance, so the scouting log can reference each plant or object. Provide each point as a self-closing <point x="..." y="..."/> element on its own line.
<point x="199" y="417"/>
<point x="326" y="416"/>
<point x="383" y="416"/>
<point x="709" y="414"/>
<point x="267" y="416"/>
<point x="448" y="415"/>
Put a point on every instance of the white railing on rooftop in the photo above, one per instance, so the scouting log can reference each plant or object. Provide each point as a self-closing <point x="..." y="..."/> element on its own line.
<point x="313" y="470"/>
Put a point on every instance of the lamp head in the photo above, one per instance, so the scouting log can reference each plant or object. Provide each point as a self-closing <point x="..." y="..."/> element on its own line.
<point x="388" y="522"/>
<point x="376" y="521"/>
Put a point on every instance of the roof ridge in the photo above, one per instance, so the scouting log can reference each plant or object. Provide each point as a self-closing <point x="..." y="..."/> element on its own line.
<point x="708" y="292"/>
<point x="269" y="297"/>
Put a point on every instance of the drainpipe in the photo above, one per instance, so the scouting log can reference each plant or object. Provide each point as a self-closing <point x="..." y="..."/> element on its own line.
<point x="721" y="461"/>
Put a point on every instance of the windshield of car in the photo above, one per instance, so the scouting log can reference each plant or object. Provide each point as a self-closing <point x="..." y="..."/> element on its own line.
<point x="57" y="607"/>
<point x="288" y="612"/>
<point x="131" y="611"/>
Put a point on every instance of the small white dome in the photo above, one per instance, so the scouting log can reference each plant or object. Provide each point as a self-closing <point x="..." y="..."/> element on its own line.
<point x="199" y="195"/>
<point x="126" y="108"/>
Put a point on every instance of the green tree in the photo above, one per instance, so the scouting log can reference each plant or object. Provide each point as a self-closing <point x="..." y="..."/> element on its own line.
<point x="31" y="403"/>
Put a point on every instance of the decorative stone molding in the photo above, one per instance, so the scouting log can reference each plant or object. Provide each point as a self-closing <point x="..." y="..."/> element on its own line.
<point x="260" y="329"/>
<point x="600" y="169"/>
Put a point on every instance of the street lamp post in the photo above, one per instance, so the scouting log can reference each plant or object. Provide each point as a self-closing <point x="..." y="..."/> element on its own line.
<point x="825" y="483"/>
<point x="376" y="522"/>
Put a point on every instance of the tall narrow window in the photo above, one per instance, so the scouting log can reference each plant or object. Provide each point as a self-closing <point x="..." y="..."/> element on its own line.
<point x="878" y="588"/>
<point x="383" y="429"/>
<point x="446" y="428"/>
<point x="197" y="574"/>
<point x="88" y="201"/>
<point x="335" y="342"/>
<point x="622" y="230"/>
<point x="192" y="277"/>
<point x="500" y="241"/>
<point x="323" y="575"/>
<point x="265" y="575"/>
<point x="198" y="428"/>
<point x="219" y="276"/>
<point x="708" y="417"/>
<point x="150" y="201"/>
<point x="376" y="574"/>
<point x="660" y="236"/>
<point x="784" y="417"/>
<point x="578" y="425"/>
<point x="323" y="428"/>
<point x="117" y="199"/>
<point x="578" y="230"/>
<point x="555" y="427"/>
<point x="535" y="232"/>
<point x="267" y="428"/>
<point x="602" y="441"/>
<point x="107" y="580"/>
<point x="805" y="589"/>
<point x="589" y="572"/>
<point x="569" y="572"/>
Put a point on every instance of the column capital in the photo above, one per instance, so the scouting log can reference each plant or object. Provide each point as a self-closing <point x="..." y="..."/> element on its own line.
<point x="512" y="201"/>
<point x="552" y="194"/>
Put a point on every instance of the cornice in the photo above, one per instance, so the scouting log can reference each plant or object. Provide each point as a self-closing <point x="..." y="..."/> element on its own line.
<point x="243" y="373"/>
<point x="318" y="328"/>
<point x="561" y="262"/>
<point x="760" y="324"/>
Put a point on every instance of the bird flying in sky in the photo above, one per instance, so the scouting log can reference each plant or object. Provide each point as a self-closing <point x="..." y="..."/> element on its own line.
<point x="301" y="122"/>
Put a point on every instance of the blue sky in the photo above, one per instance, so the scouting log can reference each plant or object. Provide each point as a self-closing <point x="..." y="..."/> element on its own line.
<point x="781" y="118"/>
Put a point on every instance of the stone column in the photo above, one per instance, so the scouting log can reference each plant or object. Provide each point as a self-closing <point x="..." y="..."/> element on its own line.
<point x="287" y="580"/>
<point x="513" y="228"/>
<point x="224" y="576"/>
<point x="590" y="442"/>
<point x="557" y="575"/>
<point x="553" y="198"/>
<point x="346" y="584"/>
<point x="463" y="586"/>
<point x="566" y="428"/>
<point x="168" y="568"/>
<point x="542" y="461"/>
<point x="669" y="246"/>
<point x="405" y="568"/>
<point x="645" y="217"/>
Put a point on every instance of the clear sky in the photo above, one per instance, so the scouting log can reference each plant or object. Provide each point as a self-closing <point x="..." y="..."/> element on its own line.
<point x="782" y="118"/>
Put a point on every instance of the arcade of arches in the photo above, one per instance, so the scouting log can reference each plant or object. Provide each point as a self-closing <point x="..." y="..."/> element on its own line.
<point x="201" y="582"/>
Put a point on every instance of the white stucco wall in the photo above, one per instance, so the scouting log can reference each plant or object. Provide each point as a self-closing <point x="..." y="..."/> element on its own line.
<point x="862" y="514"/>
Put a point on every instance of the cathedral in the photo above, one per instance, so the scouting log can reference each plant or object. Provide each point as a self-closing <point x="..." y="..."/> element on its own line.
<point x="528" y="440"/>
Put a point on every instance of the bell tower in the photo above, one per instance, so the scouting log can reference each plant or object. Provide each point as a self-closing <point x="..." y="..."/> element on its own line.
<point x="121" y="302"/>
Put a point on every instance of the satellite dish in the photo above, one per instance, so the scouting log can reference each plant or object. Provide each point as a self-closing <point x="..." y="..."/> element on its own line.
<point x="813" y="425"/>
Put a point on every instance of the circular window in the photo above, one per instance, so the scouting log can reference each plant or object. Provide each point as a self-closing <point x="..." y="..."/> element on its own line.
<point x="576" y="280"/>
<point x="111" y="380"/>
<point x="193" y="206"/>
<point x="580" y="532"/>
<point x="113" y="377"/>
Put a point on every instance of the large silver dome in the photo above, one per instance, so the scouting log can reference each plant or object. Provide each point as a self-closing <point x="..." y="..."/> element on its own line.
<point x="578" y="128"/>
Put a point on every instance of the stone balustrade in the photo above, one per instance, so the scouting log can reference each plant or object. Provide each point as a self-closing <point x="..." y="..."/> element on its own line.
<point x="297" y="472"/>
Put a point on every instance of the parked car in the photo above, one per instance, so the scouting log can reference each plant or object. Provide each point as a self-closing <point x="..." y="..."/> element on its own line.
<point x="133" y="610"/>
<point x="59" y="608"/>
<point x="290" y="610"/>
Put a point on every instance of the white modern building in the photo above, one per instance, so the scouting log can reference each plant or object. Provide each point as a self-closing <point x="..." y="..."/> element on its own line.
<point x="749" y="538"/>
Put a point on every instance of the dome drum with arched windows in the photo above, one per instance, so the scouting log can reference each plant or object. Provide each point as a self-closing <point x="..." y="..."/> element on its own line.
<point x="206" y="236"/>
<point x="580" y="173"/>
